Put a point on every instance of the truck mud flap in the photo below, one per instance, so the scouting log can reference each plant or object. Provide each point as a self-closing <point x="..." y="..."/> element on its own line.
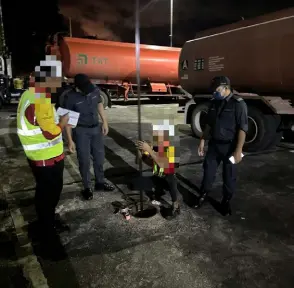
<point x="276" y="134"/>
<point x="262" y="130"/>
<point x="1" y="100"/>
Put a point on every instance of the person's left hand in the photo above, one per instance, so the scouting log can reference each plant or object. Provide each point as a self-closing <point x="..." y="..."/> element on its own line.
<point x="237" y="156"/>
<point x="105" y="129"/>
<point x="142" y="145"/>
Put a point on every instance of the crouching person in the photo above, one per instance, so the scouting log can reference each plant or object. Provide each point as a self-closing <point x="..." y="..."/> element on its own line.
<point x="163" y="159"/>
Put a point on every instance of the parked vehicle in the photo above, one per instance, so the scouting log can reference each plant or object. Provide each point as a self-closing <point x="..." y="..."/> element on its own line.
<point x="10" y="88"/>
<point x="112" y="67"/>
<point x="257" y="55"/>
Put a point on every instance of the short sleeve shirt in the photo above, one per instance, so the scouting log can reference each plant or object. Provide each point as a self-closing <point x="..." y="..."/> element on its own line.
<point x="86" y="105"/>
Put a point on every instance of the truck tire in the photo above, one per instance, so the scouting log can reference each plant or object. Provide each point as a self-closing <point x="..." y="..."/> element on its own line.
<point x="262" y="129"/>
<point x="104" y="99"/>
<point x="197" y="118"/>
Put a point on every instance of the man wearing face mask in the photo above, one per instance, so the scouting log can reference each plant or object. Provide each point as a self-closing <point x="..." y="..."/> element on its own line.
<point x="226" y="127"/>
<point x="88" y="136"/>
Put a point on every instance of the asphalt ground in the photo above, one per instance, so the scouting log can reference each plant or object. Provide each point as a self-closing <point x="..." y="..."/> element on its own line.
<point x="252" y="248"/>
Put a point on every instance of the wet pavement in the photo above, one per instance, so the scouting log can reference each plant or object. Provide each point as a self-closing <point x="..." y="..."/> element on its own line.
<point x="252" y="248"/>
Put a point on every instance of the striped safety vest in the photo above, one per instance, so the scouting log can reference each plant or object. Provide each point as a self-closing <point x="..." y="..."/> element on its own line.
<point x="157" y="170"/>
<point x="35" y="145"/>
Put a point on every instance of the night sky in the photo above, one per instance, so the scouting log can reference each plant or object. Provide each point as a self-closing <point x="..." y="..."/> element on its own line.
<point x="28" y="24"/>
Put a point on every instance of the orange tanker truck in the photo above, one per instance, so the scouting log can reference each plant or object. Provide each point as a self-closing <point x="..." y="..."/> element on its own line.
<point x="258" y="56"/>
<point x="112" y="67"/>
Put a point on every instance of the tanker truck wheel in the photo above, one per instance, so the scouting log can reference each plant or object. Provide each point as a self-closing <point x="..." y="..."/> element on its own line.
<point x="198" y="117"/>
<point x="104" y="99"/>
<point x="262" y="130"/>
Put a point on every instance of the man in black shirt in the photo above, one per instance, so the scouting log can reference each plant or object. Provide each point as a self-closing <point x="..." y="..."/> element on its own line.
<point x="226" y="127"/>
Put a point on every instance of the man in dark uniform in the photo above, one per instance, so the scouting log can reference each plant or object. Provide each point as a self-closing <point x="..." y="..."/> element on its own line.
<point x="226" y="127"/>
<point x="88" y="136"/>
<point x="63" y="93"/>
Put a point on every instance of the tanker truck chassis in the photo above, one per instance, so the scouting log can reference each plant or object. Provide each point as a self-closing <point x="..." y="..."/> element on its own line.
<point x="156" y="91"/>
<point x="110" y="90"/>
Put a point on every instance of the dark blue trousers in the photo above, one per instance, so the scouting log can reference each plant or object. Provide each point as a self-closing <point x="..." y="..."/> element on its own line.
<point x="216" y="154"/>
<point x="90" y="142"/>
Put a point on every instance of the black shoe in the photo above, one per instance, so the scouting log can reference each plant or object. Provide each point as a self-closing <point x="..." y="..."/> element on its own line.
<point x="175" y="211"/>
<point x="51" y="247"/>
<point x="87" y="194"/>
<point x="201" y="200"/>
<point x="226" y="207"/>
<point x="104" y="187"/>
<point x="60" y="226"/>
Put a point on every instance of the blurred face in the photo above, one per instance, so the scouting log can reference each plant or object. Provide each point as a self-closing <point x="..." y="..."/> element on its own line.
<point x="161" y="138"/>
<point x="52" y="83"/>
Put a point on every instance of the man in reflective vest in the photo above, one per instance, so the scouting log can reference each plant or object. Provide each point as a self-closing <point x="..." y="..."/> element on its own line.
<point x="40" y="133"/>
<point x="163" y="158"/>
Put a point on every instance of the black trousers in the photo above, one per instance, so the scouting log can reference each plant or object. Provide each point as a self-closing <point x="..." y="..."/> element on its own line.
<point x="216" y="154"/>
<point x="169" y="183"/>
<point x="159" y="184"/>
<point x="49" y="184"/>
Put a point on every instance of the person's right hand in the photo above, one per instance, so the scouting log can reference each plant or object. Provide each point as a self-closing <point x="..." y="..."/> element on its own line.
<point x="63" y="120"/>
<point x="71" y="147"/>
<point x="201" y="148"/>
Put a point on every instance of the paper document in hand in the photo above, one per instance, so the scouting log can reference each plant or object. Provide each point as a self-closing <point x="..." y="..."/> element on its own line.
<point x="232" y="159"/>
<point x="73" y="116"/>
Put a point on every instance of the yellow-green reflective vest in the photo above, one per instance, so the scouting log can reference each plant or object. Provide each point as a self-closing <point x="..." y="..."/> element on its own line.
<point x="157" y="170"/>
<point x="35" y="145"/>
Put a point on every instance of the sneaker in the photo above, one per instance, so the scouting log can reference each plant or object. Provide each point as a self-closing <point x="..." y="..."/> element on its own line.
<point x="176" y="211"/>
<point x="104" y="187"/>
<point x="87" y="194"/>
<point x="156" y="203"/>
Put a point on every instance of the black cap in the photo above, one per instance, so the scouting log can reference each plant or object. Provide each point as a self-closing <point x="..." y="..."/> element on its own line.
<point x="220" y="80"/>
<point x="82" y="81"/>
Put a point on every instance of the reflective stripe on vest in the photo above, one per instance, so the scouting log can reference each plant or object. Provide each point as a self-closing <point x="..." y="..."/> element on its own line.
<point x="35" y="145"/>
<point x="24" y="131"/>
<point x="155" y="170"/>
<point x="41" y="146"/>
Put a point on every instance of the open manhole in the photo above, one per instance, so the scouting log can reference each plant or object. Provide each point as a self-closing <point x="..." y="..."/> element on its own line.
<point x="148" y="211"/>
